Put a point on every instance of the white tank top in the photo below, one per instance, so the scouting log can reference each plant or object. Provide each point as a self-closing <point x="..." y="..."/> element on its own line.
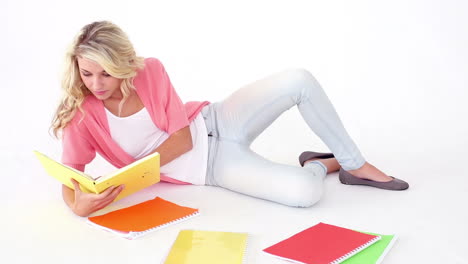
<point x="139" y="136"/>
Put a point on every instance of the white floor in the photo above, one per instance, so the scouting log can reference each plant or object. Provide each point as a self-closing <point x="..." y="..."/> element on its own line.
<point x="430" y="218"/>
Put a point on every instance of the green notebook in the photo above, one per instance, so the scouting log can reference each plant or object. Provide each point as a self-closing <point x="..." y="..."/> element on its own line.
<point x="375" y="253"/>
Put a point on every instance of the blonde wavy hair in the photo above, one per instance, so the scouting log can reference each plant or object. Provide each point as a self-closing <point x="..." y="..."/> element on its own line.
<point x="106" y="44"/>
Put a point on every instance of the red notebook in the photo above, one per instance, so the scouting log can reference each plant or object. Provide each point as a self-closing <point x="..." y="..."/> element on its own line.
<point x="322" y="243"/>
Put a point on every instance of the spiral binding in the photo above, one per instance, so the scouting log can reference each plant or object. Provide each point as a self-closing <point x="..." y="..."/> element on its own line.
<point x="355" y="251"/>
<point x="133" y="235"/>
<point x="244" y="254"/>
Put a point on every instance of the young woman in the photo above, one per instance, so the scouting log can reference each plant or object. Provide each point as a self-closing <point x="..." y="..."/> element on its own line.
<point x="124" y="107"/>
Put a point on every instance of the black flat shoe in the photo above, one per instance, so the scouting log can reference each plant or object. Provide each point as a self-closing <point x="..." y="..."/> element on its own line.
<point x="395" y="184"/>
<point x="307" y="155"/>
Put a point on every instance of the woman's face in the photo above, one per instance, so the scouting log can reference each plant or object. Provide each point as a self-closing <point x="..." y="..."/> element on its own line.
<point x="98" y="82"/>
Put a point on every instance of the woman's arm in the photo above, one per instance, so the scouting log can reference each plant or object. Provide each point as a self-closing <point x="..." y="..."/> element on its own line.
<point x="175" y="145"/>
<point x="83" y="204"/>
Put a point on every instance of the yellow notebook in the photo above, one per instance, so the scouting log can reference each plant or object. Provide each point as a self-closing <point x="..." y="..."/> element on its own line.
<point x="208" y="247"/>
<point x="136" y="176"/>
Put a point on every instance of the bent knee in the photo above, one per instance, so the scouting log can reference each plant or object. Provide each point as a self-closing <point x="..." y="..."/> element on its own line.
<point x="305" y="193"/>
<point x="307" y="201"/>
<point x="300" y="75"/>
<point x="301" y="81"/>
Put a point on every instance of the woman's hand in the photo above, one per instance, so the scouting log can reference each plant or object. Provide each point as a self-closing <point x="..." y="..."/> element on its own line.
<point x="86" y="203"/>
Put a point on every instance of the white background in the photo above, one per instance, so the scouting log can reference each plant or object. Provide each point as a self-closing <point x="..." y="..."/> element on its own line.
<point x="396" y="72"/>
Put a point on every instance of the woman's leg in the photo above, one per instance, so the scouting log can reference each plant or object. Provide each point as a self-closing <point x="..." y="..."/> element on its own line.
<point x="239" y="169"/>
<point x="235" y="122"/>
<point x="331" y="164"/>
<point x="250" y="110"/>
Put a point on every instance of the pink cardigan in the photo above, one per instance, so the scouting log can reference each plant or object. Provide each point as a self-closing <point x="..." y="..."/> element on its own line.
<point x="81" y="140"/>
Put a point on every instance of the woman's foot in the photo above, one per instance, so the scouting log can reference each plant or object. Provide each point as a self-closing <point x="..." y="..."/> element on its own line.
<point x="327" y="159"/>
<point x="369" y="172"/>
<point x="395" y="184"/>
<point x="366" y="175"/>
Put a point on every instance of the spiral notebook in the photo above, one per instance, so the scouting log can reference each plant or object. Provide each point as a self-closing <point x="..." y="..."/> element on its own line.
<point x="376" y="252"/>
<point x="322" y="244"/>
<point x="140" y="219"/>
<point x="208" y="247"/>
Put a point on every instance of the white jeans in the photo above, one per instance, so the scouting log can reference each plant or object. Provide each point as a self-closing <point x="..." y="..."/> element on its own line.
<point x="235" y="122"/>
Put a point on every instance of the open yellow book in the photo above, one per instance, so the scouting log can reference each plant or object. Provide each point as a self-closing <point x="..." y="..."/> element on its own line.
<point x="136" y="176"/>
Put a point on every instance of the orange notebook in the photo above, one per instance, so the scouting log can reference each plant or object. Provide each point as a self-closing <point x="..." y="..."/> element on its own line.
<point x="140" y="219"/>
<point x="322" y="244"/>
